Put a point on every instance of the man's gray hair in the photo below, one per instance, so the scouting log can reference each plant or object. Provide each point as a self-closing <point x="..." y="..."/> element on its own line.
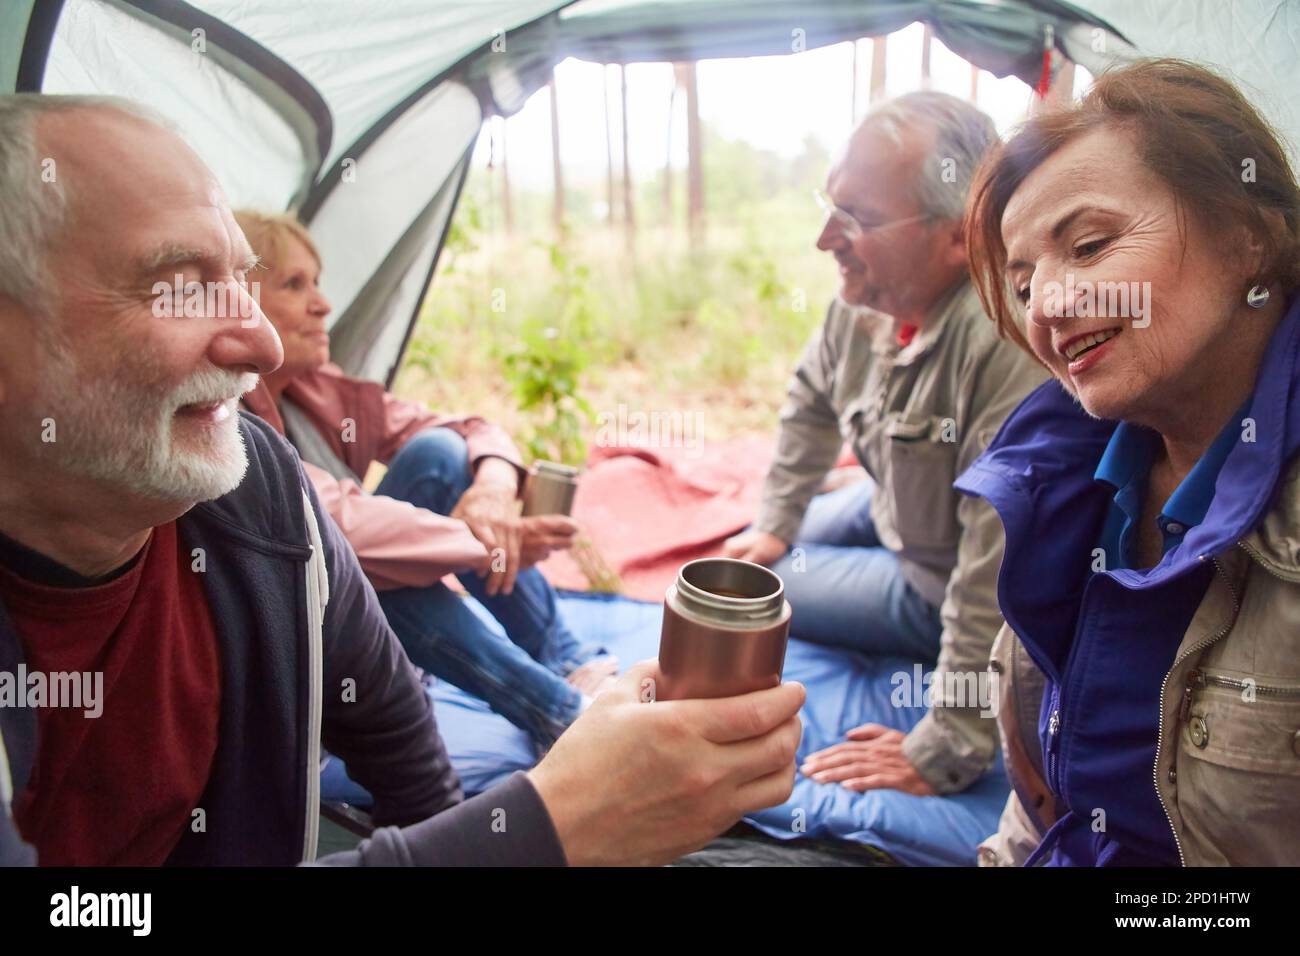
<point x="33" y="199"/>
<point x="962" y="135"/>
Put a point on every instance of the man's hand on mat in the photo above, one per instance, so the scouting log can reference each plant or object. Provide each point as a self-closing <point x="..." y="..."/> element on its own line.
<point x="871" y="759"/>
<point x="757" y="546"/>
<point x="544" y="534"/>
<point x="596" y="676"/>
<point x="635" y="781"/>
<point x="490" y="510"/>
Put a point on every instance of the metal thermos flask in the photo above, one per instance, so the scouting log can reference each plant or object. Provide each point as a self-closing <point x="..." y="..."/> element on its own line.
<point x="725" y="628"/>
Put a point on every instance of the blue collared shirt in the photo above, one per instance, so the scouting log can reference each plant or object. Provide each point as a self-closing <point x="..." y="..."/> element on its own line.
<point x="1125" y="465"/>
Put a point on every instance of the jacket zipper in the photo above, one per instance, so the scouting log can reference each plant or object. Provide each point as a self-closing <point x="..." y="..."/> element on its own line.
<point x="1058" y="692"/>
<point x="317" y="597"/>
<point x="1187" y="697"/>
<point x="1053" y="741"/>
<point x="1269" y="566"/>
<point x="1198" y="678"/>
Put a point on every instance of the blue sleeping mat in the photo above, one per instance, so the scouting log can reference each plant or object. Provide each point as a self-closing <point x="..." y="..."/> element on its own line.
<point x="845" y="689"/>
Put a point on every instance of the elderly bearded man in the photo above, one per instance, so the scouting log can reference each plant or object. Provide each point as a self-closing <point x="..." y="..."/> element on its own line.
<point x="173" y="544"/>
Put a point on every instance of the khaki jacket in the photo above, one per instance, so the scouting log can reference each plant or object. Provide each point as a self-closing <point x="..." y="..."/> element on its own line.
<point x="1227" y="765"/>
<point x="916" y="417"/>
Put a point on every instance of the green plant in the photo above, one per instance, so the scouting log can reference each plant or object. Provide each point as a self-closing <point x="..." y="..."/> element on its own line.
<point x="546" y="365"/>
<point x="731" y="350"/>
<point x="464" y="232"/>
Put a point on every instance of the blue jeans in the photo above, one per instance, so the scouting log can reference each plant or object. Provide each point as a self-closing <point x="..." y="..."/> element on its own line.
<point x="847" y="590"/>
<point x="520" y="675"/>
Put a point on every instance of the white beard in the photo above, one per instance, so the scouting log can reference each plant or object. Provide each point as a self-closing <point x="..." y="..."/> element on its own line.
<point x="120" y="432"/>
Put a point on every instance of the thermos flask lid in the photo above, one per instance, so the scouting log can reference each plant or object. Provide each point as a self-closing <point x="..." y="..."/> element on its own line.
<point x="725" y="628"/>
<point x="729" y="592"/>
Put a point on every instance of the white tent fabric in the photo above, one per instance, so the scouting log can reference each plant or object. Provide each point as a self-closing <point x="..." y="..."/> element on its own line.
<point x="375" y="205"/>
<point x="255" y="154"/>
<point x="1256" y="43"/>
<point x="364" y="56"/>
<point x="361" y="113"/>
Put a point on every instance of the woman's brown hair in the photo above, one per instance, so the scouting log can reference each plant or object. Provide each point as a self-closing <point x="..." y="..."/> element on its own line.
<point x="1222" y="160"/>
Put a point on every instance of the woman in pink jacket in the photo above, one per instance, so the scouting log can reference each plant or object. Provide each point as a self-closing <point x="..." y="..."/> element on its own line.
<point x="447" y="505"/>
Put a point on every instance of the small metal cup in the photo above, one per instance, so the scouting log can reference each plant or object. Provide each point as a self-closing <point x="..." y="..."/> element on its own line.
<point x="550" y="490"/>
<point x="725" y="628"/>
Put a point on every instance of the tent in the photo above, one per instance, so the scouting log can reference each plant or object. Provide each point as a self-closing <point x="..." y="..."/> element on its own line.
<point x="362" y="114"/>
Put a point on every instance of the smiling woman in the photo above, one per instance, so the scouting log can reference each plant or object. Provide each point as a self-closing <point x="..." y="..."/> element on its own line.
<point x="1151" y="236"/>
<point x="288" y="290"/>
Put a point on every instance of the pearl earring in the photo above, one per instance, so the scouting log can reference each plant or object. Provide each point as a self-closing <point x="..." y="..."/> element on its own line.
<point x="1257" y="297"/>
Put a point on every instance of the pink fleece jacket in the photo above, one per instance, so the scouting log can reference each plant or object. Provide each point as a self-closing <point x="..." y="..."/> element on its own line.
<point x="398" y="544"/>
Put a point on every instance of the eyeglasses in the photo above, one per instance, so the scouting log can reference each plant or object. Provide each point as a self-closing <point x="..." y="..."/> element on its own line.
<point x="850" y="225"/>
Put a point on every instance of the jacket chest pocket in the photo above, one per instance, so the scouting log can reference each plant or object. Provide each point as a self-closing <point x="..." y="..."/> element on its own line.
<point x="920" y="457"/>
<point x="1238" y="770"/>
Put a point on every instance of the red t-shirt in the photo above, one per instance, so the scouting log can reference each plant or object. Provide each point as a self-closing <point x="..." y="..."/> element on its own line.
<point x="119" y="789"/>
<point x="906" y="332"/>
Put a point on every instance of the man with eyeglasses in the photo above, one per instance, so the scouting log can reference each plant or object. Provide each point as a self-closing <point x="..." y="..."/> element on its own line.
<point x="907" y="369"/>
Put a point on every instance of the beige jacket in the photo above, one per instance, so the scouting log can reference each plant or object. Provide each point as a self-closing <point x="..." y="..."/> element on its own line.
<point x="1227" y="765"/>
<point x="916" y="418"/>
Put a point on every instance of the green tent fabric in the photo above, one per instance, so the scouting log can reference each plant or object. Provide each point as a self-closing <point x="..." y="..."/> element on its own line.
<point x="361" y="114"/>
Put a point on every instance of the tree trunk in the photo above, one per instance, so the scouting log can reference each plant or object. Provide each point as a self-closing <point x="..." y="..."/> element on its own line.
<point x="609" y="149"/>
<point x="507" y="208"/>
<point x="1060" y="94"/>
<point x="927" y="40"/>
<point x="878" y="48"/>
<point x="629" y="213"/>
<point x="555" y="156"/>
<point x="668" y="150"/>
<point x="853" y="98"/>
<point x="695" y="163"/>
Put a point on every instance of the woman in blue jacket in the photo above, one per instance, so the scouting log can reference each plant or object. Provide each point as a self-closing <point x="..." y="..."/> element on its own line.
<point x="1144" y="245"/>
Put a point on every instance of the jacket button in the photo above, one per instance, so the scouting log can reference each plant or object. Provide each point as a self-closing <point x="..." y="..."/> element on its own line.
<point x="1295" y="743"/>
<point x="1200" y="733"/>
<point x="1173" y="775"/>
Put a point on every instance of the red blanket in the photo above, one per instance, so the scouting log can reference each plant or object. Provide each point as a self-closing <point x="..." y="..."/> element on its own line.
<point x="649" y="511"/>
